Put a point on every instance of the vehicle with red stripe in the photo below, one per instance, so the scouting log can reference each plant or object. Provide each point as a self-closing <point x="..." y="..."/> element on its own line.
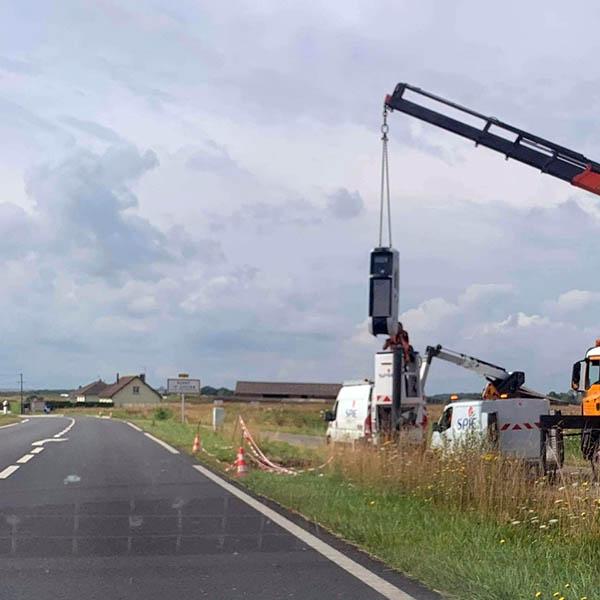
<point x="508" y="425"/>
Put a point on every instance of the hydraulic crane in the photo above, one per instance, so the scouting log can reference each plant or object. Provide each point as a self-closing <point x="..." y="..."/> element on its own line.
<point x="548" y="157"/>
<point x="501" y="383"/>
<point x="552" y="159"/>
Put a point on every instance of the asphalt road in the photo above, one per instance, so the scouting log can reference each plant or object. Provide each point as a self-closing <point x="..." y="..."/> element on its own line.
<point x="103" y="511"/>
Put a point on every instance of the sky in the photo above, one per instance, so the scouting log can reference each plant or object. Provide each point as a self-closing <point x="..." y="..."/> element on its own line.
<point x="193" y="186"/>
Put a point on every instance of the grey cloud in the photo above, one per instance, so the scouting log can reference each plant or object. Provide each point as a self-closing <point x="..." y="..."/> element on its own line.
<point x="214" y="159"/>
<point x="296" y="212"/>
<point x="83" y="203"/>
<point x="95" y="129"/>
<point x="15" y="65"/>
<point x="343" y="204"/>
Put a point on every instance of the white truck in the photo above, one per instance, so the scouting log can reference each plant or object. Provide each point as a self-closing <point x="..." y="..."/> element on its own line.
<point x="506" y="419"/>
<point x="364" y="409"/>
<point x="510" y="426"/>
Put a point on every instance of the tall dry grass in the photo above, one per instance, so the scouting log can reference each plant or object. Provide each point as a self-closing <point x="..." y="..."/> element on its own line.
<point x="468" y="480"/>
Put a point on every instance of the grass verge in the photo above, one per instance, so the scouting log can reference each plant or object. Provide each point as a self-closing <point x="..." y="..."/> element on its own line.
<point x="8" y="419"/>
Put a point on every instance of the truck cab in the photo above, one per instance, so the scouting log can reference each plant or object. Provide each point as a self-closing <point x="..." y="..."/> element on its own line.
<point x="586" y="379"/>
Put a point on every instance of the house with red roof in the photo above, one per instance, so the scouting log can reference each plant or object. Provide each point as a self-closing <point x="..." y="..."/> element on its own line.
<point x="129" y="389"/>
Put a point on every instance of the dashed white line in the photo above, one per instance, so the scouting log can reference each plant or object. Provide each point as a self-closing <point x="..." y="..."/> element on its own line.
<point x="10" y="425"/>
<point x="42" y="442"/>
<point x="65" y="430"/>
<point x="37" y="450"/>
<point x="8" y="471"/>
<point x="134" y="426"/>
<point x="24" y="459"/>
<point x="385" y="588"/>
<point x="163" y="444"/>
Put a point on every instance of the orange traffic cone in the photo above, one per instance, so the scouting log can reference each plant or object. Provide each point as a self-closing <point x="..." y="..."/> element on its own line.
<point x="241" y="468"/>
<point x="196" y="445"/>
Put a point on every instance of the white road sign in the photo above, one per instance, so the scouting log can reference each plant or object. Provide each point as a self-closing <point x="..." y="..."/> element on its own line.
<point x="182" y="385"/>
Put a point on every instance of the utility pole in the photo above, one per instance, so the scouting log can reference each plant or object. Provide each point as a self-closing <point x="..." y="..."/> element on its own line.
<point x="182" y="407"/>
<point x="21" y="382"/>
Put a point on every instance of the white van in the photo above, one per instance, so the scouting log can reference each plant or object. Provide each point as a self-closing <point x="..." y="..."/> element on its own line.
<point x="510" y="425"/>
<point x="350" y="418"/>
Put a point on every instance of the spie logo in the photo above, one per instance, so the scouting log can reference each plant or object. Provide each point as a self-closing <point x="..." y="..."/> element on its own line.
<point x="470" y="411"/>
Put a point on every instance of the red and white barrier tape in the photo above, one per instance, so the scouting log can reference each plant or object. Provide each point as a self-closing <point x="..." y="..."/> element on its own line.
<point x="259" y="457"/>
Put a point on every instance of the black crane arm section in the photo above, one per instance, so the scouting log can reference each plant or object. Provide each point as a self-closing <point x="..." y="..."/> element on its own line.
<point x="527" y="148"/>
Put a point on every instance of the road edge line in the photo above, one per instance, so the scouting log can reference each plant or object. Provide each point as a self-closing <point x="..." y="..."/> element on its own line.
<point x="161" y="443"/>
<point x="11" y="424"/>
<point x="134" y="426"/>
<point x="380" y="585"/>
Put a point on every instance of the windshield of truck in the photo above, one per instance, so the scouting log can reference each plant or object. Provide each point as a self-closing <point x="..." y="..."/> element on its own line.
<point x="593" y="373"/>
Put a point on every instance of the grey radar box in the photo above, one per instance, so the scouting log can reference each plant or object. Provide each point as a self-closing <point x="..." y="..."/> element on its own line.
<point x="383" y="291"/>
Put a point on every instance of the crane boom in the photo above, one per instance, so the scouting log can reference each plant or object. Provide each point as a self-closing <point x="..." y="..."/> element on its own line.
<point x="520" y="145"/>
<point x="509" y="382"/>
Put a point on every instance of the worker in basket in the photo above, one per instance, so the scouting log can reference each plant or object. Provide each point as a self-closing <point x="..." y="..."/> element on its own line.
<point x="400" y="340"/>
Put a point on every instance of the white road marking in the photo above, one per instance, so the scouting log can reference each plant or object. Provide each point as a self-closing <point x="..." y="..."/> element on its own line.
<point x="24" y="459"/>
<point x="10" y="425"/>
<point x="163" y="444"/>
<point x="65" y="430"/>
<point x="380" y="585"/>
<point x="42" y="442"/>
<point x="24" y="420"/>
<point x="37" y="450"/>
<point x="8" y="471"/>
<point x="134" y="426"/>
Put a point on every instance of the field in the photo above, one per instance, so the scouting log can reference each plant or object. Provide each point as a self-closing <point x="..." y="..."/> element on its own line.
<point x="474" y="526"/>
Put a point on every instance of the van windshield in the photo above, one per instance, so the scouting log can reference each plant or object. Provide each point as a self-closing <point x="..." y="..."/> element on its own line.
<point x="446" y="419"/>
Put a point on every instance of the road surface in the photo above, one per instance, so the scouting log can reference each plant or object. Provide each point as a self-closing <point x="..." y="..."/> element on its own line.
<point x="92" y="508"/>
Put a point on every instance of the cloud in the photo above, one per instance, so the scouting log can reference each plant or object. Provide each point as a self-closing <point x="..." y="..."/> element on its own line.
<point x="343" y="204"/>
<point x="575" y="300"/>
<point x="15" y="65"/>
<point x="252" y="217"/>
<point x="94" y="129"/>
<point x="84" y="206"/>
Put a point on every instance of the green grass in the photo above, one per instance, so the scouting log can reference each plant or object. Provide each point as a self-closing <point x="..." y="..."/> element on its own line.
<point x="291" y="420"/>
<point x="8" y="419"/>
<point x="458" y="552"/>
<point x="224" y="447"/>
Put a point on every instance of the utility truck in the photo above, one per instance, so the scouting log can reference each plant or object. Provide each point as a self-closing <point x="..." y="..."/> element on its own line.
<point x="366" y="410"/>
<point x="506" y="419"/>
<point x="585" y="381"/>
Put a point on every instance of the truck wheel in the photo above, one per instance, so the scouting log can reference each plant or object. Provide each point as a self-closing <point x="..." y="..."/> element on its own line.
<point x="553" y="453"/>
<point x="595" y="461"/>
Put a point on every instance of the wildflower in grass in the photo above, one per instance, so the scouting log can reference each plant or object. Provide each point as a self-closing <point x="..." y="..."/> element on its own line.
<point x="503" y="541"/>
<point x="538" y="594"/>
<point x="543" y="526"/>
<point x="515" y="522"/>
<point x="553" y="521"/>
<point x="372" y="503"/>
<point x="567" y="585"/>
